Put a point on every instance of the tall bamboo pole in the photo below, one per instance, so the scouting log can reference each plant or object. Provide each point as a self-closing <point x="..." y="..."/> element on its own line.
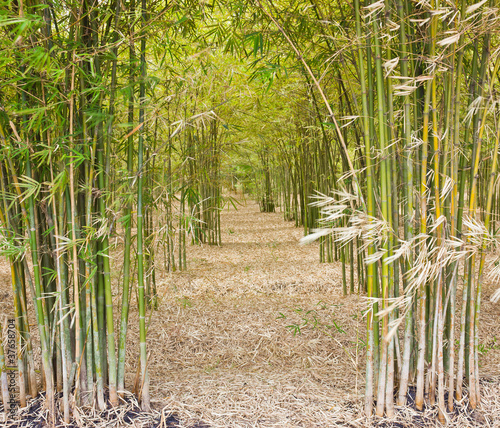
<point x="144" y="391"/>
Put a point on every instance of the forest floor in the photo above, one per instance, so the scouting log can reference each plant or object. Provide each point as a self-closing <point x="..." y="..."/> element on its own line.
<point x="256" y="333"/>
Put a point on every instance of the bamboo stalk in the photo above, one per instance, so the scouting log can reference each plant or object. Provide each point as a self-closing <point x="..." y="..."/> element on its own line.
<point x="140" y="267"/>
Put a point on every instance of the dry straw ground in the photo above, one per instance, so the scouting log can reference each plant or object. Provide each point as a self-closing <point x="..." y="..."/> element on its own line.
<point x="256" y="333"/>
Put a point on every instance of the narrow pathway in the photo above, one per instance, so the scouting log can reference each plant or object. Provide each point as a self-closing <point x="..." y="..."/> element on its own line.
<point x="256" y="332"/>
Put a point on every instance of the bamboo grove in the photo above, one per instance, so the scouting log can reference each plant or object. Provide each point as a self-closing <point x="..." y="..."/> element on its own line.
<point x="373" y="125"/>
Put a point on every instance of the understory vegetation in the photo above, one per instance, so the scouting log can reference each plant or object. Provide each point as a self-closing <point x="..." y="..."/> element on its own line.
<point x="374" y="126"/>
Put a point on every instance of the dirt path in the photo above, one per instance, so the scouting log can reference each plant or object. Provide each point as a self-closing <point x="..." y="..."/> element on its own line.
<point x="225" y="349"/>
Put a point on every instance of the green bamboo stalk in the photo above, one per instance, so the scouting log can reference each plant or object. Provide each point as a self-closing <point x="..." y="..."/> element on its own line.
<point x="453" y="223"/>
<point x="370" y="274"/>
<point x="437" y="348"/>
<point x="127" y="224"/>
<point x="145" y="399"/>
<point x="422" y="292"/>
<point x="408" y="209"/>
<point x="386" y="209"/>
